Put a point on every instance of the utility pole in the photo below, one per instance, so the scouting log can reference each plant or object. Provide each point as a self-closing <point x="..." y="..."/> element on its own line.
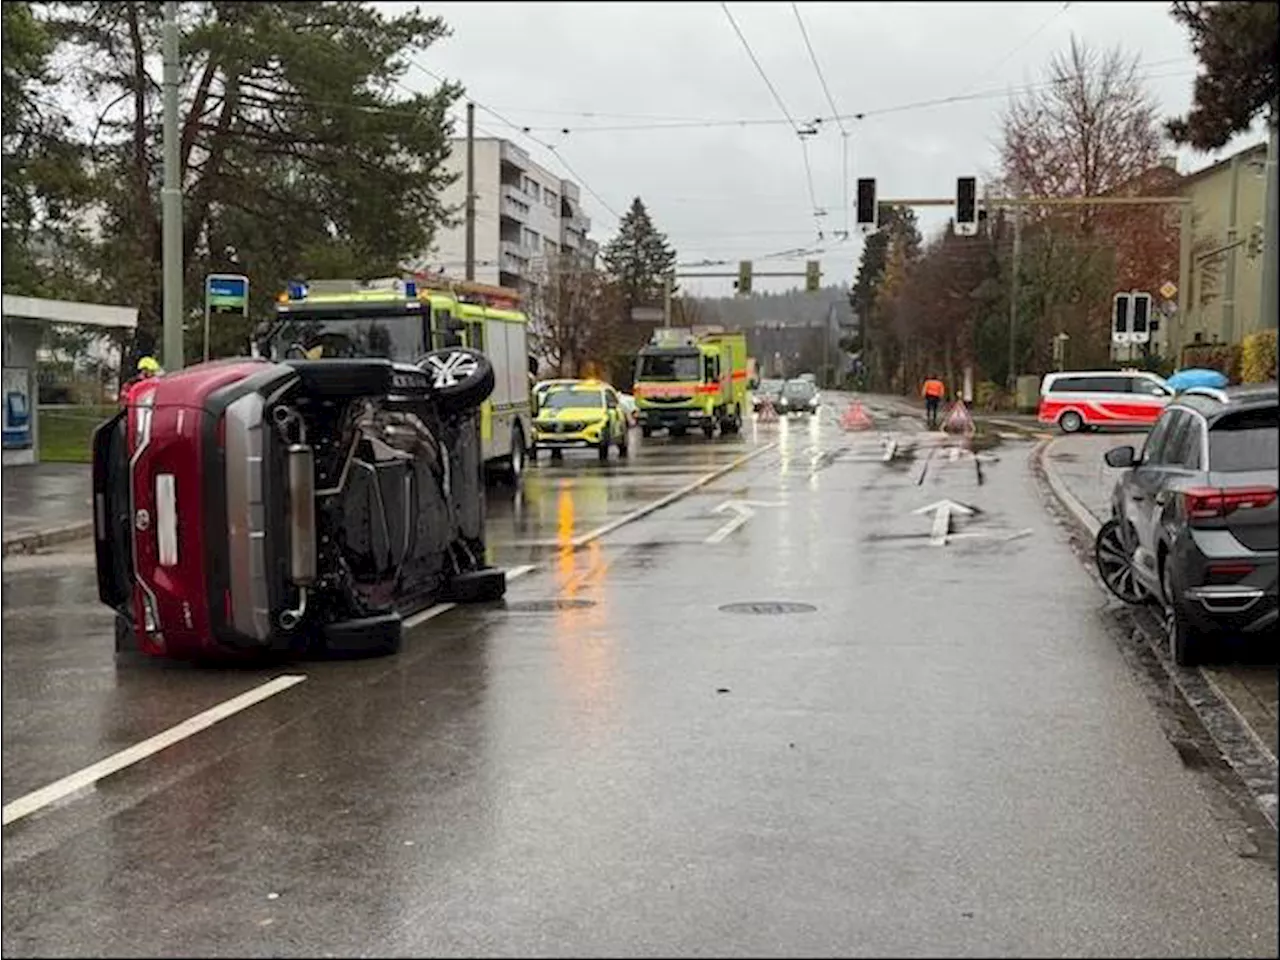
<point x="1229" y="286"/>
<point x="471" y="193"/>
<point x="1270" y="300"/>
<point x="171" y="197"/>
<point x="666" y="300"/>
<point x="1013" y="300"/>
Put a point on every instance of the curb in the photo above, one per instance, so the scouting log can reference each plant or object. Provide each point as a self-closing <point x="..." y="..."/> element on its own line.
<point x="1079" y="512"/>
<point x="31" y="542"/>
<point x="1253" y="762"/>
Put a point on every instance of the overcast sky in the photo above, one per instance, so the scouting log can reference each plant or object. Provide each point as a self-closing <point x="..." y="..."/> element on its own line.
<point x="730" y="191"/>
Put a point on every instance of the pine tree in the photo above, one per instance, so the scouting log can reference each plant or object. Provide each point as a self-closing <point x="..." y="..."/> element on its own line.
<point x="638" y="258"/>
<point x="1237" y="46"/>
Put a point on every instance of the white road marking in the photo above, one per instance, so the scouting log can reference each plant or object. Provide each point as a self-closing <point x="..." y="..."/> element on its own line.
<point x="584" y="538"/>
<point x="515" y="573"/>
<point x="942" y="511"/>
<point x="60" y="789"/>
<point x="743" y="512"/>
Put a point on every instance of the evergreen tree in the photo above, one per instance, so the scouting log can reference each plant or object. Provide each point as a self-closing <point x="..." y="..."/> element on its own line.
<point x="638" y="258"/>
<point x="1237" y="46"/>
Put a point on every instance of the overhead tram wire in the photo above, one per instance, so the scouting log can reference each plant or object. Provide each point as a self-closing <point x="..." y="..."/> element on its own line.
<point x="693" y="124"/>
<point x="804" y="150"/>
<point x="525" y="132"/>
<point x="1019" y="47"/>
<point x="835" y="111"/>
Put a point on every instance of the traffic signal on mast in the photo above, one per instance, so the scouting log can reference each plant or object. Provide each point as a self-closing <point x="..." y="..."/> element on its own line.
<point x="966" y="206"/>
<point x="743" y="283"/>
<point x="867" y="204"/>
<point x="1253" y="248"/>
<point x="812" y="276"/>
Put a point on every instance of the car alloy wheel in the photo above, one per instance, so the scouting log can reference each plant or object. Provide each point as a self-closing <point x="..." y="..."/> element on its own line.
<point x="1184" y="646"/>
<point x="1114" y="558"/>
<point x="451" y="369"/>
<point x="1071" y="422"/>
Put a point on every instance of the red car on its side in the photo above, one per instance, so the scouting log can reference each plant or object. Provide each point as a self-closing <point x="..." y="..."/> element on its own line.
<point x="246" y="506"/>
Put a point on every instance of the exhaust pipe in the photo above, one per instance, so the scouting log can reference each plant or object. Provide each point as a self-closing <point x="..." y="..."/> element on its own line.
<point x="302" y="514"/>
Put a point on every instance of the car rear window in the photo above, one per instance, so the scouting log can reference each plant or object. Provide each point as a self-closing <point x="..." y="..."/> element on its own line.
<point x="1248" y="440"/>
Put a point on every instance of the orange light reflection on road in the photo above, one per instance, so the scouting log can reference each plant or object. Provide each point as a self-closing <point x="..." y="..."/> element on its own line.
<point x="587" y="654"/>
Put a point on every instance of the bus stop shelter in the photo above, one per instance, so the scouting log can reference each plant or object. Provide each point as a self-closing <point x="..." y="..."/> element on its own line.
<point x="24" y="320"/>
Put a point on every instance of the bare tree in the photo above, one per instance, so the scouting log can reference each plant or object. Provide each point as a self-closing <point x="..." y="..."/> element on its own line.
<point x="1091" y="128"/>
<point x="574" y="315"/>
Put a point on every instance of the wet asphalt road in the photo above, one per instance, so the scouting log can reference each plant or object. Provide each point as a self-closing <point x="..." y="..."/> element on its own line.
<point x="950" y="755"/>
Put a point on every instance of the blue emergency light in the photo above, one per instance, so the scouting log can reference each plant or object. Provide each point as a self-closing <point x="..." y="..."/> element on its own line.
<point x="297" y="290"/>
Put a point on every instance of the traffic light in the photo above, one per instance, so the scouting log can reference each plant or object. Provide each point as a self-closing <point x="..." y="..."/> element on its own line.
<point x="1253" y="248"/>
<point x="1120" y="318"/>
<point x="743" y="283"/>
<point x="812" y="276"/>
<point x="1140" y="320"/>
<point x="966" y="206"/>
<point x="867" y="203"/>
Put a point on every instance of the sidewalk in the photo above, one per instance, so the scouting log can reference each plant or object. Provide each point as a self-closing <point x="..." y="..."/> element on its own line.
<point x="45" y="504"/>
<point x="1074" y="467"/>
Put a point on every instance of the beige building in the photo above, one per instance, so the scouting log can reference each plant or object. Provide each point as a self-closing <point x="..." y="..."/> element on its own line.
<point x="525" y="217"/>
<point x="1224" y="302"/>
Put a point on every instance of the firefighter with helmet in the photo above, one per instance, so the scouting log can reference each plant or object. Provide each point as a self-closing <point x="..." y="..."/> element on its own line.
<point x="148" y="367"/>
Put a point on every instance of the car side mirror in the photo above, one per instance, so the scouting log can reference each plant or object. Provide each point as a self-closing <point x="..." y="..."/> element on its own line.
<point x="1121" y="457"/>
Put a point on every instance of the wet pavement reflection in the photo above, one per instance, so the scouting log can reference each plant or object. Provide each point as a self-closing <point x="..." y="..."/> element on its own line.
<point x="776" y="716"/>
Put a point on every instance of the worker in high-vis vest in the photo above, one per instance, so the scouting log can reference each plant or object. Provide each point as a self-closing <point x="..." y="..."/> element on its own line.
<point x="933" y="391"/>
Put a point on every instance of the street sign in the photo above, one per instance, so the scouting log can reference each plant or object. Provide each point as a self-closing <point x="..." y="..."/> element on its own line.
<point x="227" y="293"/>
<point x="1168" y="290"/>
<point x="224" y="293"/>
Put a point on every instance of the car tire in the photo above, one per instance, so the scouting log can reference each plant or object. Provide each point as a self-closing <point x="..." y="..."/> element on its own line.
<point x="1186" y="643"/>
<point x="378" y="636"/>
<point x="461" y="378"/>
<point x="343" y="378"/>
<point x="708" y="430"/>
<point x="646" y="432"/>
<point x="1071" y="422"/>
<point x="477" y="586"/>
<point x="513" y="465"/>
<point x="1114" y="559"/>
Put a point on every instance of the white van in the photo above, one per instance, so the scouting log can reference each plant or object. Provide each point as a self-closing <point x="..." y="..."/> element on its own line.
<point x="1076" y="399"/>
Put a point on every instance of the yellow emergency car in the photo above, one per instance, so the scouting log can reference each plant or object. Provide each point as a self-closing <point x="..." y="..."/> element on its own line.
<point x="581" y="413"/>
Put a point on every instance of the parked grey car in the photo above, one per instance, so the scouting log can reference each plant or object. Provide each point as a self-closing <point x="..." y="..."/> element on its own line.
<point x="1194" y="518"/>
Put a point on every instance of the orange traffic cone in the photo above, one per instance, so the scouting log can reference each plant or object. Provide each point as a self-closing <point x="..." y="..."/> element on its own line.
<point x="856" y="418"/>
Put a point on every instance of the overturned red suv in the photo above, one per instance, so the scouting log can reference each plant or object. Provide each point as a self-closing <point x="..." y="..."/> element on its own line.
<point x="247" y="507"/>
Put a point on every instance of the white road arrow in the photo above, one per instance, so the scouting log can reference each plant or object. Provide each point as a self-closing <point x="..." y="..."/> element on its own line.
<point x="742" y="510"/>
<point x="942" y="512"/>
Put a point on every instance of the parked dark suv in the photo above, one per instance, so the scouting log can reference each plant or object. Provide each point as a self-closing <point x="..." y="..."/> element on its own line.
<point x="1194" y="518"/>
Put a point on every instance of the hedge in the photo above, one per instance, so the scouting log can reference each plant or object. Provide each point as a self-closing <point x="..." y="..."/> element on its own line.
<point x="1258" y="357"/>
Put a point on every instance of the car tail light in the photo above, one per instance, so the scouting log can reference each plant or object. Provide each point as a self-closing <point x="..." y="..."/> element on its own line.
<point x="1226" y="573"/>
<point x="1204" y="503"/>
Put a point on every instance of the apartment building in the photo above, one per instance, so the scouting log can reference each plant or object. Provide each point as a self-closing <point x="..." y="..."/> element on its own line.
<point x="526" y="217"/>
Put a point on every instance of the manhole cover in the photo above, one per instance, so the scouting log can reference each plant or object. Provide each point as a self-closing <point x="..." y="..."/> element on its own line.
<point x="772" y="607"/>
<point x="547" y="606"/>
